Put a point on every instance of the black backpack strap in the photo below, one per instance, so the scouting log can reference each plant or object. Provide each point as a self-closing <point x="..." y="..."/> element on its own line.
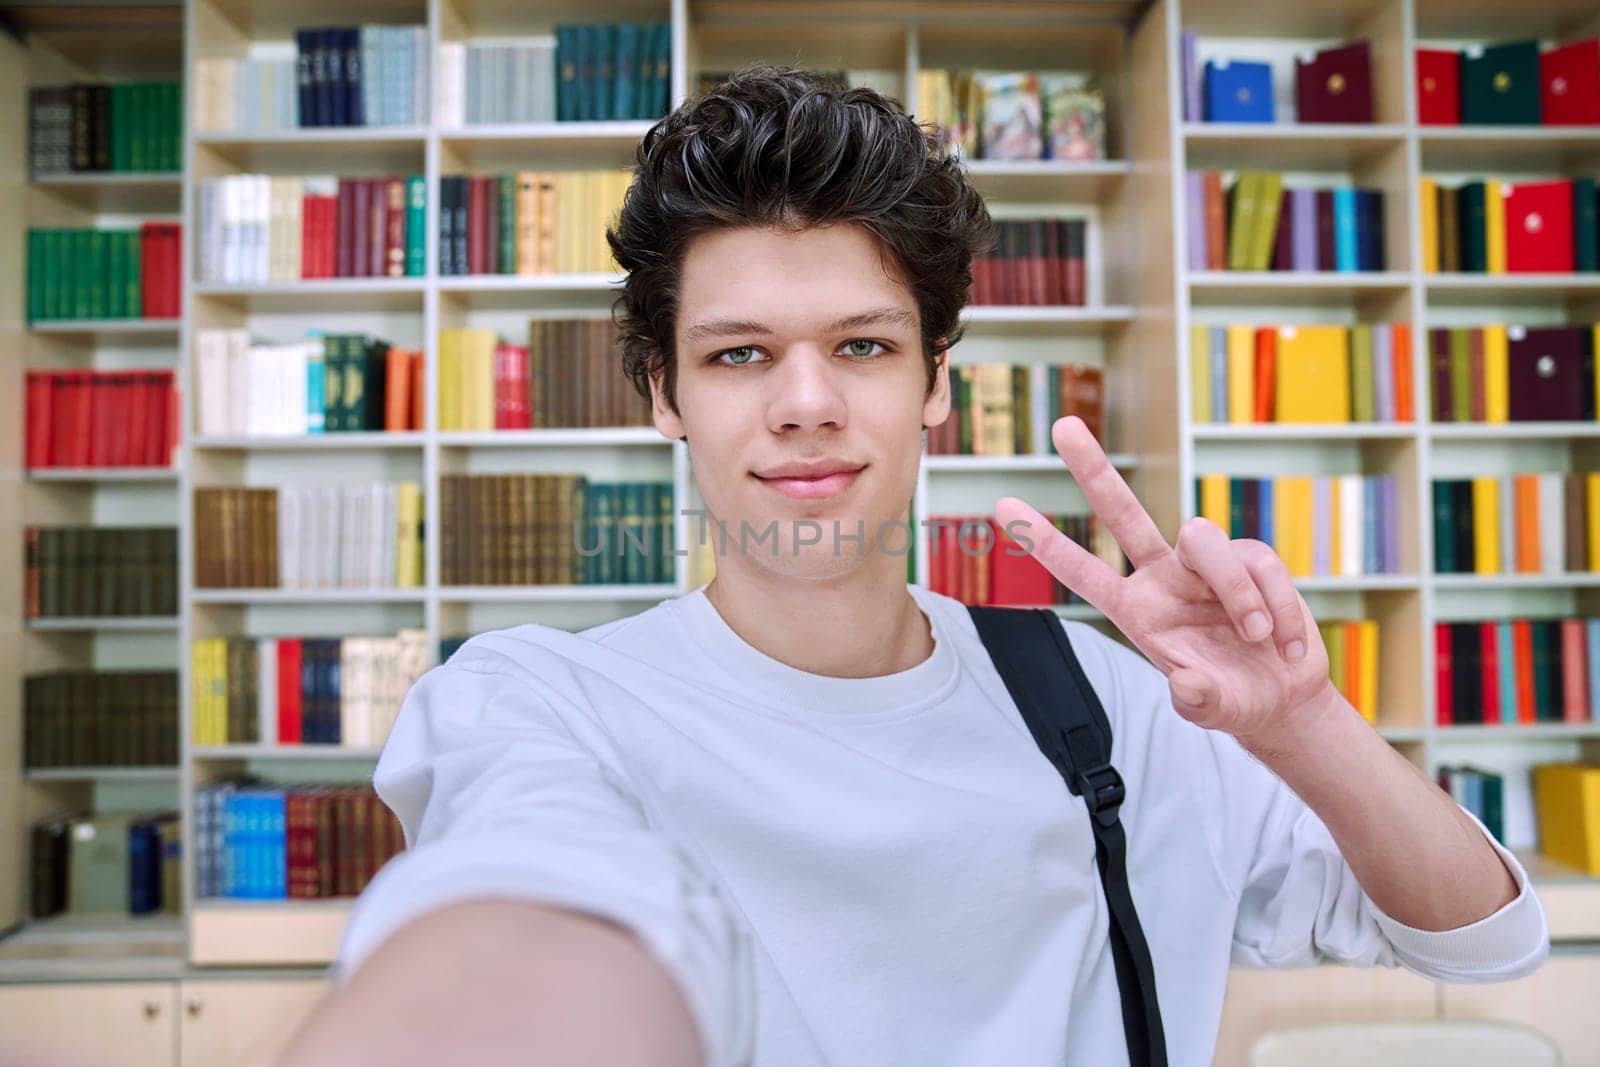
<point x="1034" y="658"/>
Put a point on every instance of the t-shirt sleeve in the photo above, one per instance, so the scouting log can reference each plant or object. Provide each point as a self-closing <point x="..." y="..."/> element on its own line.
<point x="500" y="800"/>
<point x="1300" y="903"/>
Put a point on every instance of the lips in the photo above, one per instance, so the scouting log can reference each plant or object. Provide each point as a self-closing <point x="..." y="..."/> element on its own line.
<point x="816" y="481"/>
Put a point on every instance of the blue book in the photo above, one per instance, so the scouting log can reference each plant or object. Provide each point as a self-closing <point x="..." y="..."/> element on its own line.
<point x="1591" y="632"/>
<point x="1370" y="510"/>
<point x="372" y="40"/>
<point x="350" y="40"/>
<point x="1264" y="510"/>
<point x="306" y="63"/>
<point x="1344" y="229"/>
<point x="1508" y="670"/>
<point x="1238" y="91"/>
<point x="625" y="72"/>
<point x="275" y="868"/>
<point x="1219" y="374"/>
<point x="1369" y="229"/>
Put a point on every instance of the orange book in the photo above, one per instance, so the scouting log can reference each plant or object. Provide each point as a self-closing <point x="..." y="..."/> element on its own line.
<point x="1403" y="401"/>
<point x="1527" y="524"/>
<point x="1350" y="684"/>
<point x="1522" y="639"/>
<point x="397" y="391"/>
<point x="419" y="392"/>
<point x="1266" y="360"/>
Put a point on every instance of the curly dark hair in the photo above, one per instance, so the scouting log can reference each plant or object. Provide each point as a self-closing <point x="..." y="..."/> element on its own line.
<point x="782" y="147"/>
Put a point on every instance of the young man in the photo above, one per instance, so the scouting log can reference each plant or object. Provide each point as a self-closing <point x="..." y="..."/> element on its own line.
<point x="794" y="817"/>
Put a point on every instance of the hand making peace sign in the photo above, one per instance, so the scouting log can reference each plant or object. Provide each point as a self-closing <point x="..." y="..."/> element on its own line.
<point x="1191" y="610"/>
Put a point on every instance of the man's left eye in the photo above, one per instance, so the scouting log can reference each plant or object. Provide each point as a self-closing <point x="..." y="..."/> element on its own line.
<point x="854" y="348"/>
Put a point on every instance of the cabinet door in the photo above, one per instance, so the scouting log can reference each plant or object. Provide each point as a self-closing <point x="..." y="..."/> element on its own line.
<point x="231" y="1022"/>
<point x="1558" y="998"/>
<point x="88" y="1024"/>
<point x="1260" y="1000"/>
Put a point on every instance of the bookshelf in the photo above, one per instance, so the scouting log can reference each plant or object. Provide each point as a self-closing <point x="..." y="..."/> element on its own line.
<point x="1141" y="300"/>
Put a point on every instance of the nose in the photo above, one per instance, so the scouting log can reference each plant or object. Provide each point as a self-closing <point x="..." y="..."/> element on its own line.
<point x="807" y="391"/>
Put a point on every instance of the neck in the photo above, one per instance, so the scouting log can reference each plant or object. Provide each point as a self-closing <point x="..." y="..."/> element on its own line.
<point x="861" y="624"/>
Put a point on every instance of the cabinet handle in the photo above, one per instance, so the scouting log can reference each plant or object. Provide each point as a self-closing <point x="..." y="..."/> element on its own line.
<point x="152" y="1008"/>
<point x="193" y="1005"/>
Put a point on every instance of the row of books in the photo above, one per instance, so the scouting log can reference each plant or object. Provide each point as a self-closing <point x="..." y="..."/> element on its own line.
<point x="1514" y="373"/>
<point x="1330" y="85"/>
<point x="249" y="96"/>
<point x="107" y="273"/>
<point x="302" y="690"/>
<point x="569" y="374"/>
<point x="1352" y="646"/>
<point x="1004" y="409"/>
<point x="1299" y="374"/>
<point x="1480" y="791"/>
<point x="613" y="70"/>
<point x="1517" y="672"/>
<point x="361" y="75"/>
<point x="88" y="418"/>
<point x="1528" y="523"/>
<point x="335" y="383"/>
<point x="529" y="222"/>
<point x="79" y="571"/>
<point x="122" y="127"/>
<point x="1509" y="83"/>
<point x="258" y="228"/>
<point x="1494" y="226"/>
<point x="1260" y="224"/>
<point x="111" y="863"/>
<point x="1341" y="525"/>
<point x="1014" y="115"/>
<point x="971" y="558"/>
<point x="260" y="841"/>
<point x="1036" y="262"/>
<point x="76" y="718"/>
<point x="554" y="529"/>
<point x="309" y="536"/>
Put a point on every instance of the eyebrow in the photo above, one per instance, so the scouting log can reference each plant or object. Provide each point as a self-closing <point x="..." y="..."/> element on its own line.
<point x="892" y="316"/>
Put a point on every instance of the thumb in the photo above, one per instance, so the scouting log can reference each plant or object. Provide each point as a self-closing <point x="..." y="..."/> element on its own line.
<point x="1192" y="690"/>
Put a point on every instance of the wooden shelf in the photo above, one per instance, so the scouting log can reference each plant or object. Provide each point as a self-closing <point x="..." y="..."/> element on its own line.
<point x="102" y="774"/>
<point x="103" y="474"/>
<point x="1511" y="431"/>
<point x="116" y="192"/>
<point x="1235" y="281"/>
<point x="511" y="594"/>
<point x="528" y="283"/>
<point x="1481" y="582"/>
<point x="1287" y="146"/>
<point x="159" y="329"/>
<point x="286" y="753"/>
<point x="310" y="442"/>
<point x="1379" y="431"/>
<point x="1476" y="733"/>
<point x="307" y="596"/>
<point x="1557" y="149"/>
<point x="108" y="624"/>
<point x="629" y="436"/>
<point x="1051" y="463"/>
<point x="1488" y="285"/>
<point x="1046" y="180"/>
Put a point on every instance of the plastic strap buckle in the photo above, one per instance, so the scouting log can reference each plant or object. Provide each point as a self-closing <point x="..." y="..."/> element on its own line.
<point x="1102" y="787"/>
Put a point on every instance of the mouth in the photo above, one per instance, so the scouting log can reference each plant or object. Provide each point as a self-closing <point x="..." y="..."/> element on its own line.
<point x="814" y="487"/>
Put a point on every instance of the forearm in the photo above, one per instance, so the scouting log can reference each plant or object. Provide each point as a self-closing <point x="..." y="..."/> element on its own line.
<point x="1416" y="853"/>
<point x="501" y="982"/>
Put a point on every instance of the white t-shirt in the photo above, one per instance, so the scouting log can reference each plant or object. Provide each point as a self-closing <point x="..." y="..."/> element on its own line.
<point x="877" y="870"/>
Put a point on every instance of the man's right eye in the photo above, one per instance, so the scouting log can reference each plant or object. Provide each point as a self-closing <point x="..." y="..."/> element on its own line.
<point x="740" y="356"/>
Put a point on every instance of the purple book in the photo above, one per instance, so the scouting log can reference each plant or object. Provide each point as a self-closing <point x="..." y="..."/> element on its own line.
<point x="1194" y="217"/>
<point x="1321" y="524"/>
<point x="1303" y="241"/>
<point x="1546" y="374"/>
<point x="1191" y="77"/>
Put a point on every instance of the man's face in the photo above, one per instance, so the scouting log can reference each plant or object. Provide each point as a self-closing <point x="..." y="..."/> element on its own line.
<point x="797" y="354"/>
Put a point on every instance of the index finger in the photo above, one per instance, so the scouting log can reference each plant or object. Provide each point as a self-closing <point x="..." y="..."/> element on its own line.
<point x="1108" y="495"/>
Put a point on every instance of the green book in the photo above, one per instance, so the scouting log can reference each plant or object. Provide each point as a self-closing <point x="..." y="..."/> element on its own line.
<point x="1361" y="374"/>
<point x="121" y="97"/>
<point x="1244" y="195"/>
<point x="1461" y="374"/>
<point x="1444" y="541"/>
<point x="81" y="273"/>
<point x="416" y="225"/>
<point x="138" y="127"/>
<point x="1585" y="225"/>
<point x="133" y="295"/>
<point x="1236" y="508"/>
<point x="961" y="378"/>
<point x="665" y="560"/>
<point x="1500" y="85"/>
<point x="600" y="506"/>
<point x="1474" y="225"/>
<point x="354" y="400"/>
<point x="116" y="269"/>
<point x="1543" y="704"/>
<point x="333" y="383"/>
<point x="35" y="274"/>
<point x="508" y="223"/>
<point x="97" y="864"/>
<point x="624" y="91"/>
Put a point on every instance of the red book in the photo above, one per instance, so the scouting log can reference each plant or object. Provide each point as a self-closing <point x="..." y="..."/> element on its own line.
<point x="40" y="384"/>
<point x="1489" y="657"/>
<point x="344" y="229"/>
<point x="62" y="387"/>
<point x="1574" y="671"/>
<point x="328" y="238"/>
<point x="361" y="227"/>
<point x="477" y="216"/>
<point x="1522" y="643"/>
<point x="169" y="438"/>
<point x="1539" y="226"/>
<point x="308" y="236"/>
<point x="394" y="228"/>
<point x="502" y="386"/>
<point x="519" y="416"/>
<point x="300" y="843"/>
<point x="156" y="419"/>
<point x="82" y="418"/>
<point x="1336" y="86"/>
<point x="1266" y="374"/>
<point x="149" y="272"/>
<point x="289" y="697"/>
<point x="1017" y="578"/>
<point x="1569" y="84"/>
<point x="1438" y="87"/>
<point x="1444" y="694"/>
<point x="128" y="416"/>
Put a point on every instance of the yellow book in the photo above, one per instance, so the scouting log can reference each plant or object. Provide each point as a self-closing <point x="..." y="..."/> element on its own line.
<point x="1264" y="228"/>
<point x="1567" y="799"/>
<point x="1486" y="522"/>
<point x="408" y="536"/>
<point x="1291" y="522"/>
<point x="1496" y="375"/>
<point x="450" y="379"/>
<point x="1367" y="683"/>
<point x="1336" y="524"/>
<point x="199" y="687"/>
<point x="1200" y="374"/>
<point x="1241" y="223"/>
<point x="621" y="179"/>
<point x="1494" y="205"/>
<point x="1591" y="501"/>
<point x="217" y="729"/>
<point x="1313" y="374"/>
<point x="1429" y="207"/>
<point x="1338" y="669"/>
<point x="1214" y="502"/>
<point x="527" y="222"/>
<point x="1241" y="374"/>
<point x="566" y="186"/>
<point x="478" y="359"/>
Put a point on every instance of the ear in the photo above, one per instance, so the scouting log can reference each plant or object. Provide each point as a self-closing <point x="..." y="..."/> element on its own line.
<point x="667" y="421"/>
<point x="936" y="408"/>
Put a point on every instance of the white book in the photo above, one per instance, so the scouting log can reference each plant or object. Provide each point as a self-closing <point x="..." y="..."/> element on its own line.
<point x="390" y="530"/>
<point x="1506" y="490"/>
<point x="211" y="381"/>
<point x="291" y="402"/>
<point x="1552" y="524"/>
<point x="330" y="506"/>
<point x="449" y="111"/>
<point x="261" y="208"/>
<point x="1039" y="409"/>
<point x="209" y="224"/>
<point x="289" y="573"/>
<point x="267" y="690"/>
<point x="1352" y="516"/>
<point x="238" y="382"/>
<point x="261" y="387"/>
<point x="421" y="75"/>
<point x="349" y="682"/>
<point x="352" y="533"/>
